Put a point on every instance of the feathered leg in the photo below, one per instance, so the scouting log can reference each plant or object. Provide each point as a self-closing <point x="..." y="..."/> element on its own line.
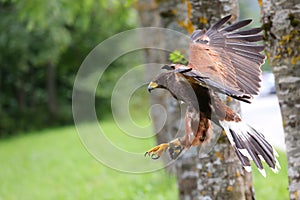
<point x="196" y="131"/>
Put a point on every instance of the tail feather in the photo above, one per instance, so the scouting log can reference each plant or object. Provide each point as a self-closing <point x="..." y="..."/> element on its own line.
<point x="265" y="149"/>
<point x="245" y="161"/>
<point x="249" y="144"/>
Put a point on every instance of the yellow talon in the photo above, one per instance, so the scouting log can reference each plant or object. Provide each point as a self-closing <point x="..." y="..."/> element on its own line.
<point x="175" y="148"/>
<point x="156" y="151"/>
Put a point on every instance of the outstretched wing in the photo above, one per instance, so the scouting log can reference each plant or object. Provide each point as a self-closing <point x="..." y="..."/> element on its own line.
<point x="230" y="58"/>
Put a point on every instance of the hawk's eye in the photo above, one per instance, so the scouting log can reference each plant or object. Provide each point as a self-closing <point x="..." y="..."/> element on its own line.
<point x="169" y="67"/>
<point x="202" y="41"/>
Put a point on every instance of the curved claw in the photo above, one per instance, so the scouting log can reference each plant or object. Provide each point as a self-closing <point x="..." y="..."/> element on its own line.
<point x="156" y="151"/>
<point x="155" y="157"/>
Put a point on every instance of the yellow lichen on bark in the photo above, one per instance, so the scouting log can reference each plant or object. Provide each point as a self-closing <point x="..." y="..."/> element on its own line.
<point x="284" y="50"/>
<point x="203" y="20"/>
<point x="174" y="11"/>
<point x="283" y="122"/>
<point x="223" y="133"/>
<point x="296" y="195"/>
<point x="286" y="38"/>
<point x="260" y="3"/>
<point x="208" y="174"/>
<point x="189" y="9"/>
<point x="289" y="51"/>
<point x="277" y="57"/>
<point x="187" y="24"/>
<point x="295" y="59"/>
<point x="229" y="188"/>
<point x="228" y="99"/>
<point x="219" y="155"/>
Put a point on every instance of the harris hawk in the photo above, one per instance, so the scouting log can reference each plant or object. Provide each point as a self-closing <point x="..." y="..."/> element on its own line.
<point x="222" y="60"/>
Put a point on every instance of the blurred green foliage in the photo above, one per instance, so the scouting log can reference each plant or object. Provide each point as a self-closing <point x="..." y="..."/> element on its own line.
<point x="177" y="57"/>
<point x="42" y="45"/>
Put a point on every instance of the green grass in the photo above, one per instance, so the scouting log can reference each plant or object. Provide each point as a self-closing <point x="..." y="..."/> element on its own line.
<point x="274" y="186"/>
<point x="53" y="164"/>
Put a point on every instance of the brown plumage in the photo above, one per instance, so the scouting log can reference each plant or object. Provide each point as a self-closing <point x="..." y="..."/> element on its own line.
<point x="228" y="56"/>
<point x="224" y="60"/>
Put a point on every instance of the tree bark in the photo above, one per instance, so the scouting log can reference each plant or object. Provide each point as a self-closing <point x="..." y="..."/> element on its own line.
<point x="151" y="15"/>
<point x="281" y="24"/>
<point x="217" y="174"/>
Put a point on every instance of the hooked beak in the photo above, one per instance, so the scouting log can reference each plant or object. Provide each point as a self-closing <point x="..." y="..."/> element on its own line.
<point x="151" y="86"/>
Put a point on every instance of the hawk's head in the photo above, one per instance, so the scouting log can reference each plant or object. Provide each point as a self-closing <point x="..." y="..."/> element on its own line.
<point x="163" y="80"/>
<point x="170" y="80"/>
<point x="176" y="84"/>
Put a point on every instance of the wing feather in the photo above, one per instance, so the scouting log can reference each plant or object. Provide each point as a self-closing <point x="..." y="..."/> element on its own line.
<point x="248" y="38"/>
<point x="247" y="47"/>
<point x="246" y="32"/>
<point x="237" y="25"/>
<point x="220" y="23"/>
<point x="229" y="57"/>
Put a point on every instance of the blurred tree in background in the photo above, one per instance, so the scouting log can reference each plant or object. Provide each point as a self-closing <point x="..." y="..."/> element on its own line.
<point x="216" y="174"/>
<point x="42" y="45"/>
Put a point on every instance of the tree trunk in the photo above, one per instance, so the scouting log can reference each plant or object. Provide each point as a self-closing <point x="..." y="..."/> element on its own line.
<point x="51" y="90"/>
<point x="20" y="93"/>
<point x="150" y="14"/>
<point x="281" y="24"/>
<point x="217" y="174"/>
